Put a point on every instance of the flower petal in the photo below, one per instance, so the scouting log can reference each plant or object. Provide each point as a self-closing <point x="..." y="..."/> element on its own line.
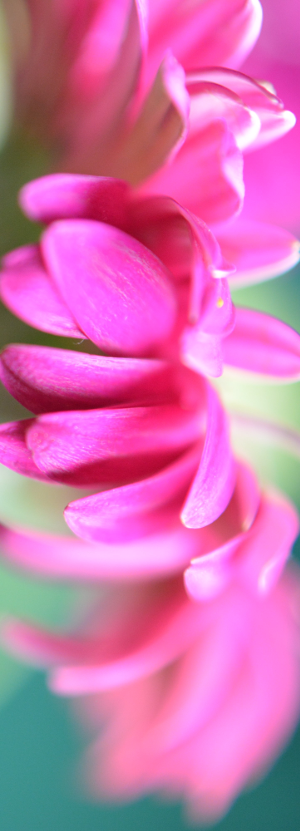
<point x="264" y="345"/>
<point x="206" y="176"/>
<point x="209" y="33"/>
<point x="93" y="447"/>
<point x="258" y="251"/>
<point x="29" y="293"/>
<point x="134" y="510"/>
<point x="14" y="451"/>
<point x="214" y="482"/>
<point x="57" y="557"/>
<point x="67" y="196"/>
<point x="268" y="544"/>
<point x="47" y="380"/>
<point x="118" y="291"/>
<point x="160" y="128"/>
<point x="274" y="120"/>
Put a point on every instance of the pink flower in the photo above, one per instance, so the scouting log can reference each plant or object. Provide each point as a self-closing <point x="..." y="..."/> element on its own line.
<point x="185" y="698"/>
<point x="144" y="423"/>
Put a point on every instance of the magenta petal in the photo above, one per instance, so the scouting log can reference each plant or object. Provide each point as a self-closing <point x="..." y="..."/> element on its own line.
<point x="14" y="452"/>
<point x="118" y="291"/>
<point x="210" y="573"/>
<point x="29" y="293"/>
<point x="134" y="510"/>
<point x="94" y="447"/>
<point x="65" y="195"/>
<point x="206" y="176"/>
<point x="61" y="557"/>
<point x="264" y="345"/>
<point x="214" y="482"/>
<point x="258" y="251"/>
<point x="268" y="544"/>
<point x="48" y="380"/>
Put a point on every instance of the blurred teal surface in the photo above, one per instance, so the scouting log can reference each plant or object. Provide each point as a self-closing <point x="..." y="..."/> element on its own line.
<point x="40" y="746"/>
<point x="39" y="749"/>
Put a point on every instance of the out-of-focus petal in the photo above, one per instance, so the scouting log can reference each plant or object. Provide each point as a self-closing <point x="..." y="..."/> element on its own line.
<point x="160" y="127"/>
<point x="258" y="251"/>
<point x="268" y="544"/>
<point x="118" y="291"/>
<point x="206" y="176"/>
<point x="211" y="572"/>
<point x="264" y="345"/>
<point x="214" y="482"/>
<point x="61" y="557"/>
<point x="67" y="196"/>
<point x="29" y="293"/>
<point x="93" y="447"/>
<point x="47" y="380"/>
<point x="213" y="32"/>
<point x="134" y="510"/>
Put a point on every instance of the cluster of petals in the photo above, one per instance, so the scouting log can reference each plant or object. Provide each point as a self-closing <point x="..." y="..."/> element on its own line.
<point x="197" y="695"/>
<point x="196" y="698"/>
<point x="140" y="417"/>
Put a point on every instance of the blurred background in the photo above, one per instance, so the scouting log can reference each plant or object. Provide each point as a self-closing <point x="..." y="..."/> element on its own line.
<point x="40" y="745"/>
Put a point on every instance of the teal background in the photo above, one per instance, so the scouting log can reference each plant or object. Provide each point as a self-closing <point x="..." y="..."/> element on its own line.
<point x="40" y="744"/>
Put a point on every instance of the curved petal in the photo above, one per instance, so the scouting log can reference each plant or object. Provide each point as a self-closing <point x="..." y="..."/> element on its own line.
<point x="268" y="544"/>
<point x="47" y="380"/>
<point x="210" y="100"/>
<point x="210" y="573"/>
<point x="214" y="482"/>
<point x="14" y="451"/>
<point x="257" y="250"/>
<point x="264" y="345"/>
<point x="134" y="510"/>
<point x="273" y="120"/>
<point x="68" y="196"/>
<point x="160" y="128"/>
<point x="56" y="557"/>
<point x="93" y="447"/>
<point x="29" y="293"/>
<point x="118" y="291"/>
<point x="206" y="176"/>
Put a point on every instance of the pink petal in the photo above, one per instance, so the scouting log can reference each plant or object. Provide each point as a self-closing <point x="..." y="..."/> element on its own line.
<point x="93" y="447"/>
<point x="29" y="293"/>
<point x="210" y="100"/>
<point x="214" y="482"/>
<point x="206" y="33"/>
<point x="64" y="196"/>
<point x="134" y="510"/>
<point x="14" y="451"/>
<point x="264" y="345"/>
<point x="274" y="121"/>
<point x="210" y="573"/>
<point x="47" y="380"/>
<point x="118" y="291"/>
<point x="95" y="139"/>
<point x="258" y="251"/>
<point x="61" y="557"/>
<point x="268" y="544"/>
<point x="182" y="241"/>
<point x="206" y="176"/>
<point x="201" y="345"/>
<point x="160" y="128"/>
